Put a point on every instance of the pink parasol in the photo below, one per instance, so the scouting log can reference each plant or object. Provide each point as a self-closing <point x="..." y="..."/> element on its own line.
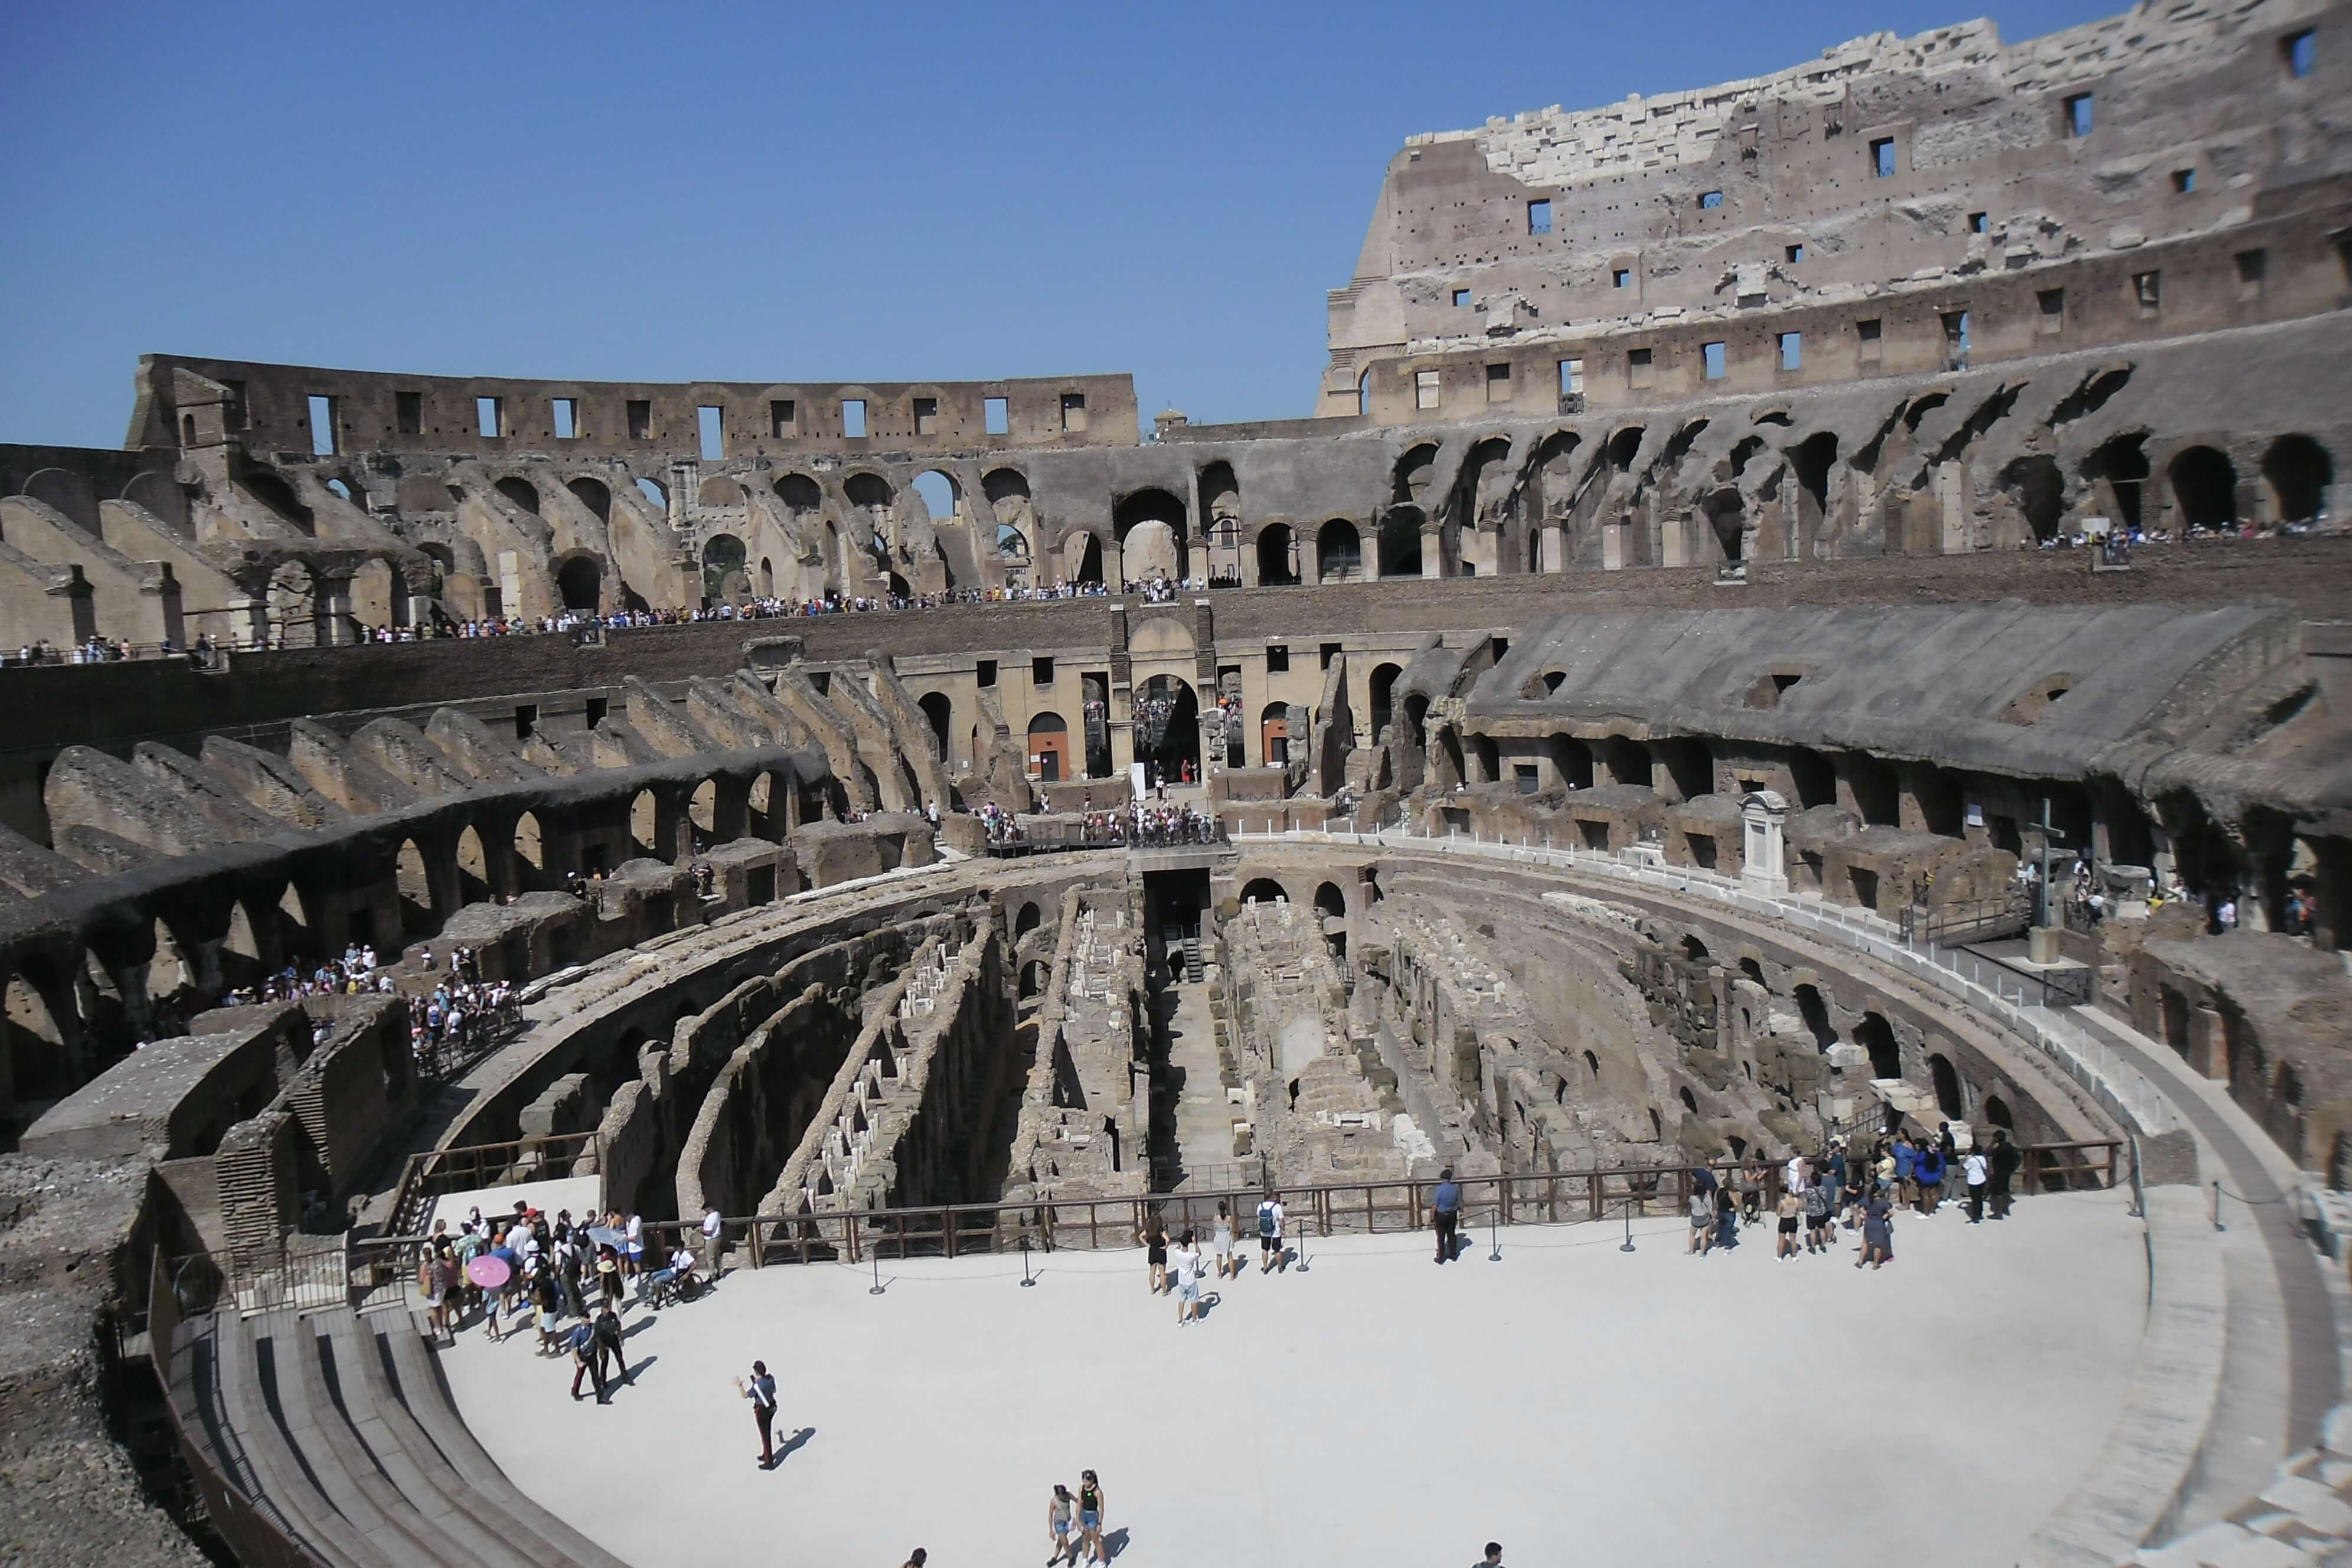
<point x="489" y="1273"/>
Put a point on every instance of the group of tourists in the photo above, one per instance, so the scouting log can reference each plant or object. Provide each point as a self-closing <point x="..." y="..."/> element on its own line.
<point x="462" y="1013"/>
<point x="1173" y="1264"/>
<point x="1860" y="1191"/>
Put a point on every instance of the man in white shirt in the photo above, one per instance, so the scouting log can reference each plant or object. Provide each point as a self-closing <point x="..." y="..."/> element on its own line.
<point x="1979" y="1171"/>
<point x="1186" y="1261"/>
<point x="1269" y="1234"/>
<point x="714" y="1240"/>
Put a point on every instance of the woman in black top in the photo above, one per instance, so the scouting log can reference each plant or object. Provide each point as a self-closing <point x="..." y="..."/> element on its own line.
<point x="1154" y="1236"/>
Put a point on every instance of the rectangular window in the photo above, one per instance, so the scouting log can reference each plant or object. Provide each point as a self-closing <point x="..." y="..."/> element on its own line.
<point x="1711" y="357"/>
<point x="1041" y="672"/>
<point x="927" y="416"/>
<point x="1425" y="389"/>
<point x="1621" y="278"/>
<point x="2253" y="268"/>
<point x="233" y="417"/>
<point x="2299" y="51"/>
<point x="1795" y="254"/>
<point x="1525" y="773"/>
<point x="1572" y="378"/>
<point x="408" y="412"/>
<point x="1793" y="351"/>
<point x="852" y="417"/>
<point x="1328" y="652"/>
<point x="564" y="412"/>
<point x="2079" y="118"/>
<point x="641" y="419"/>
<point x="1882" y="158"/>
<point x="2053" y="309"/>
<point x="1498" y="384"/>
<point x="985" y="675"/>
<point x="2342" y="240"/>
<point x="1639" y="370"/>
<point x="1868" y="340"/>
<point x="1709" y="200"/>
<point x="1539" y="217"/>
<point x="710" y="425"/>
<point x="526" y="720"/>
<point x="1976" y="223"/>
<point x="997" y="414"/>
<point x="1462" y="299"/>
<point x="323" y="426"/>
<point x="1277" y="658"/>
<point x="1955" y="337"/>
<point x="1073" y="411"/>
<point x="597" y="708"/>
<point x="490" y="417"/>
<point x="2148" y="287"/>
<point x="782" y="416"/>
<point x="2184" y="181"/>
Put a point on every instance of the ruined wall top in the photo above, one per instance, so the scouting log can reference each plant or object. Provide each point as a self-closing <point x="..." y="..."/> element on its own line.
<point x="186" y="402"/>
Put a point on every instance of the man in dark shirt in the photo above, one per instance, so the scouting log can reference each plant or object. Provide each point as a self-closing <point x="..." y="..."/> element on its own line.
<point x="1445" y="1206"/>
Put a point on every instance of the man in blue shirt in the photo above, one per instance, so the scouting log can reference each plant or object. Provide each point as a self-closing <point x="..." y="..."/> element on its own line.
<point x="1447" y="1206"/>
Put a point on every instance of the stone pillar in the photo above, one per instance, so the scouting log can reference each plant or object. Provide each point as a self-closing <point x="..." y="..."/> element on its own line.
<point x="1553" y="542"/>
<point x="330" y="610"/>
<point x="1763" y="817"/>
<point x="1612" y="547"/>
<point x="1432" y="550"/>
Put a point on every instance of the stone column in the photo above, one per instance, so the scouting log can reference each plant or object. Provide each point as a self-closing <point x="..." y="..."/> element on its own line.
<point x="1763" y="815"/>
<point x="1553" y="544"/>
<point x="1432" y="550"/>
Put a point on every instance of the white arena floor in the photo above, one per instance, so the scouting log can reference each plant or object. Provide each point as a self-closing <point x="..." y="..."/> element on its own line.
<point x="1577" y="1404"/>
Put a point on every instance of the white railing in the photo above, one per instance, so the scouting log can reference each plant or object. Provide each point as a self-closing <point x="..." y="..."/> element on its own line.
<point x="2122" y="1088"/>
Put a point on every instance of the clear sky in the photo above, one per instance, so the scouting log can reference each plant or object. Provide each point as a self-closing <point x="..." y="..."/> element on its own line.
<point x="758" y="193"/>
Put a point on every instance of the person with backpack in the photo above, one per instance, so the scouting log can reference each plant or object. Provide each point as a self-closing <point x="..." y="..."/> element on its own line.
<point x="1820" y="1219"/>
<point x="1270" y="1254"/>
<point x="588" y="1358"/>
<point x="608" y="1344"/>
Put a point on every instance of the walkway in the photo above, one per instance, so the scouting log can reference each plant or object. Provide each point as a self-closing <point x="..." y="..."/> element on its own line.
<point x="1204" y="1137"/>
<point x="1577" y="1403"/>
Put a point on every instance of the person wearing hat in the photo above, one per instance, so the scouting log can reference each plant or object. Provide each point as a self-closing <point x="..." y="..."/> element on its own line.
<point x="608" y="1278"/>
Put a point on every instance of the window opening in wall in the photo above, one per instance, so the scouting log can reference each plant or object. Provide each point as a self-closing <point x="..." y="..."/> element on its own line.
<point x="1882" y="158"/>
<point x="322" y="426"/>
<point x="564" y="414"/>
<point x="2053" y="309"/>
<point x="233" y="416"/>
<point x="526" y="720"/>
<point x="490" y="417"/>
<point x="1525" y="773"/>
<point x="408" y="412"/>
<point x="996" y="415"/>
<point x="597" y="708"/>
<point x="780" y="418"/>
<point x="1976" y="223"/>
<point x="985" y="673"/>
<point x="1867" y="334"/>
<point x="1711" y="356"/>
<point x="1498" y="383"/>
<point x="2184" y="181"/>
<point x="2342" y="240"/>
<point x="852" y="417"/>
<point x="1795" y="254"/>
<point x="1328" y="652"/>
<point x="1572" y="378"/>
<point x="1793" y="351"/>
<point x="641" y="419"/>
<point x="1425" y="389"/>
<point x="2254" y="266"/>
<point x="2299" y="51"/>
<point x="1539" y="217"/>
<point x="1278" y="657"/>
<point x="2078" y="114"/>
<point x="1639" y="367"/>
<point x="1462" y="299"/>
<point x="1041" y="672"/>
<point x="710" y="425"/>
<point x="927" y="416"/>
<point x="1073" y="411"/>
<point x="1956" y="339"/>
<point x="1364" y="392"/>
<point x="1709" y="200"/>
<point x="2148" y="287"/>
<point x="1621" y="278"/>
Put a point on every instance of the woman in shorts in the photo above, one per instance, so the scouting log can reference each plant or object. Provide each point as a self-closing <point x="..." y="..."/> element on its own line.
<point x="1062" y="1525"/>
<point x="1154" y="1236"/>
<point x="1090" y="1517"/>
<point x="1224" y="1241"/>
<point x="1702" y="1221"/>
<point x="1791" y="1209"/>
<point x="1819" y="1217"/>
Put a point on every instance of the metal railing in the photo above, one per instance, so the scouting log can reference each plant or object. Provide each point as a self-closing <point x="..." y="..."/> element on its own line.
<point x="2115" y="1082"/>
<point x="435" y="1171"/>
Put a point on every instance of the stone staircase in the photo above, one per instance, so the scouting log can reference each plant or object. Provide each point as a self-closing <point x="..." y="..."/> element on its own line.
<point x="340" y="1433"/>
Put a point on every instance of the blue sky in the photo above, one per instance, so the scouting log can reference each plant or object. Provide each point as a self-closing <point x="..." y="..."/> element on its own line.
<point x="758" y="193"/>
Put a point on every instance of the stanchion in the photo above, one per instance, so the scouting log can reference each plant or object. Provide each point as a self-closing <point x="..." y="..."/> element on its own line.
<point x="876" y="1289"/>
<point x="1494" y="1235"/>
<point x="1629" y="1226"/>
<point x="1025" y="1281"/>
